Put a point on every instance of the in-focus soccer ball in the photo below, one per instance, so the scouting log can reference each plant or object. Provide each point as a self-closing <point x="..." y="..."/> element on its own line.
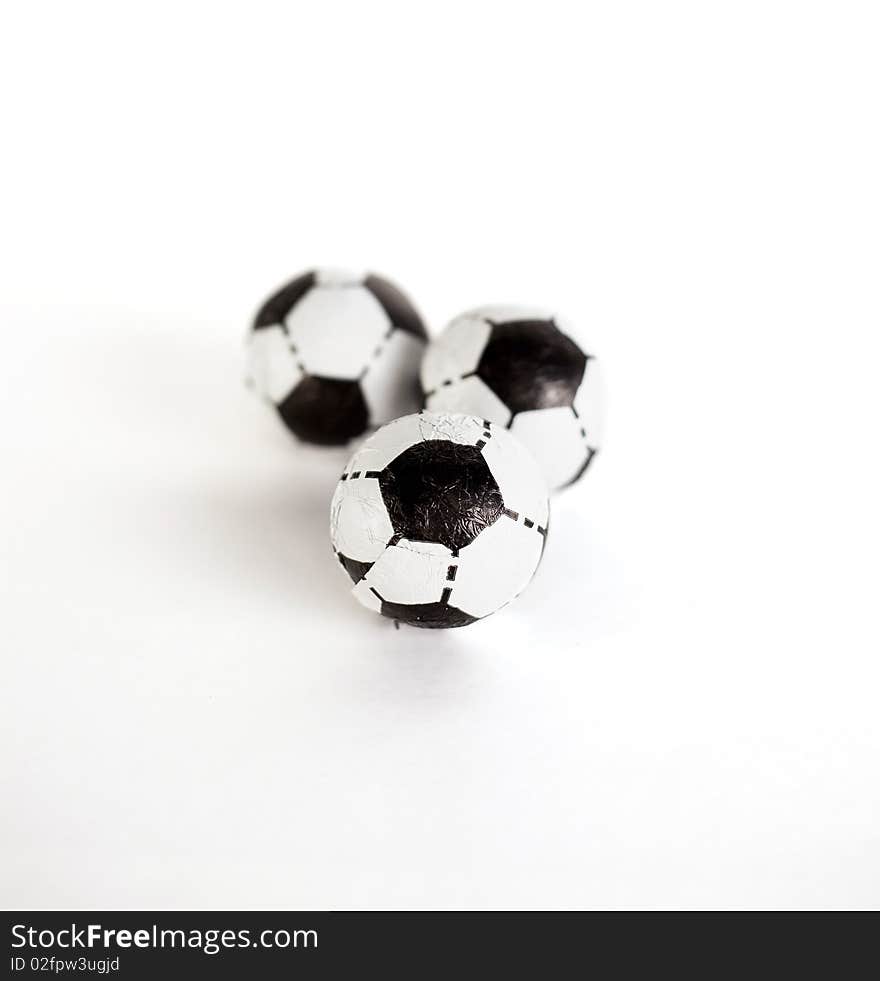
<point x="521" y="369"/>
<point x="439" y="520"/>
<point x="337" y="352"/>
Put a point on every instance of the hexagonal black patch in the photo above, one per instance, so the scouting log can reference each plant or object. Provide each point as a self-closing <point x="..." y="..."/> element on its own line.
<point x="531" y="364"/>
<point x="325" y="410"/>
<point x="433" y="615"/>
<point x="440" y="491"/>
<point x="279" y="304"/>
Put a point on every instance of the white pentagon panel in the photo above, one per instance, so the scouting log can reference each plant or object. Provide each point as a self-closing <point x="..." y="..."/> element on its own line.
<point x="590" y="403"/>
<point x="359" y="524"/>
<point x="366" y="597"/>
<point x="455" y="352"/>
<point x="389" y="386"/>
<point x="339" y="277"/>
<point x="518" y="476"/>
<point x="386" y="444"/>
<point x="335" y="330"/>
<point x="553" y="437"/>
<point x="496" y="566"/>
<point x="411" y="572"/>
<point x="272" y="366"/>
<point x="471" y="395"/>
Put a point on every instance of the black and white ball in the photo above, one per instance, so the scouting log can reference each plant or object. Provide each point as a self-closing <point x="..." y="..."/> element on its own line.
<point x="337" y="352"/>
<point x="521" y="369"/>
<point x="439" y="520"/>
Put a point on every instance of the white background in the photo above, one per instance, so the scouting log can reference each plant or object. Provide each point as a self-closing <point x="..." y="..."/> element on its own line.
<point x="682" y="709"/>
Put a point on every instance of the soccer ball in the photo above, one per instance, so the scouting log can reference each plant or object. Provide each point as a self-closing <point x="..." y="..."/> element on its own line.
<point x="521" y="369"/>
<point x="439" y="520"/>
<point x="337" y="352"/>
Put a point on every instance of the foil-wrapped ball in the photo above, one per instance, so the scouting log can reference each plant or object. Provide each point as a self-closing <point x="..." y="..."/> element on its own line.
<point x="439" y="520"/>
<point x="337" y="352"/>
<point x="521" y="369"/>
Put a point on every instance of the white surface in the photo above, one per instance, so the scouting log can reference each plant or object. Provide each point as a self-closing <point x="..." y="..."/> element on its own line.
<point x="682" y="708"/>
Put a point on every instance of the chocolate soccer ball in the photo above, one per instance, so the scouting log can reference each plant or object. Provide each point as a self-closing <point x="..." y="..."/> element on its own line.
<point x="439" y="520"/>
<point x="337" y="352"/>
